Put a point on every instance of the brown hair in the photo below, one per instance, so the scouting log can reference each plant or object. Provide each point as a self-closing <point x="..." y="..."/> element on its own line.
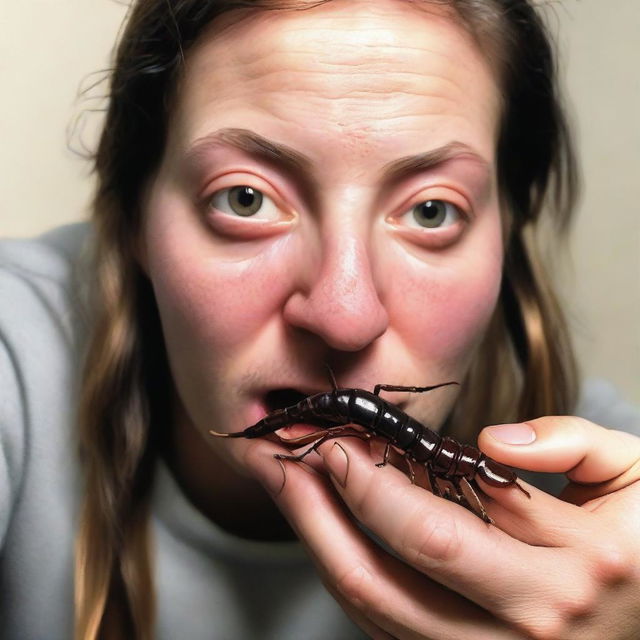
<point x="523" y="369"/>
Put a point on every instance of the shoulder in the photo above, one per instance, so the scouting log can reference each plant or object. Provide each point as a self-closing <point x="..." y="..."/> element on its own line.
<point x="40" y="281"/>
<point x="42" y="329"/>
<point x="43" y="313"/>
<point x="46" y="261"/>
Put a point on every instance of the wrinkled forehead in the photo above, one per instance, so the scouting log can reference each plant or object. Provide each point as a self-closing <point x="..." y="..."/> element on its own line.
<point x="343" y="60"/>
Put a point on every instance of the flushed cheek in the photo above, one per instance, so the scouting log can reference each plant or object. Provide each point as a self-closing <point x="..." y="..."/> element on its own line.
<point x="216" y="317"/>
<point x="213" y="305"/>
<point x="445" y="314"/>
<point x="212" y="294"/>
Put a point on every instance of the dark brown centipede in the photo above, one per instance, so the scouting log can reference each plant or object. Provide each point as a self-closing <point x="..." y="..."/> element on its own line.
<point x="444" y="458"/>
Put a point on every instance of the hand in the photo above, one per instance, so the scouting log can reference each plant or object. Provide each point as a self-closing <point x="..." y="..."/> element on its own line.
<point x="549" y="568"/>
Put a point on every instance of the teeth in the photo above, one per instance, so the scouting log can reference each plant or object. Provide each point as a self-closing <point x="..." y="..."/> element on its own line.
<point x="281" y="398"/>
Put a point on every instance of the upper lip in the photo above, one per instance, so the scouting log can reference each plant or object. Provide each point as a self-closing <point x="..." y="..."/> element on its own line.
<point x="310" y="390"/>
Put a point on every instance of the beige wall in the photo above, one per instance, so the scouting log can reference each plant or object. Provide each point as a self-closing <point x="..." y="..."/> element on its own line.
<point x="601" y="54"/>
<point x="48" y="46"/>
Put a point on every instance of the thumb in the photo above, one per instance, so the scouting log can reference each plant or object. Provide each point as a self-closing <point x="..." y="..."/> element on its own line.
<point x="586" y="452"/>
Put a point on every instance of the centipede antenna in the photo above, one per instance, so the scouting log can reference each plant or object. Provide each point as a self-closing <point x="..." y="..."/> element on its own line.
<point x="333" y="378"/>
<point x="225" y="435"/>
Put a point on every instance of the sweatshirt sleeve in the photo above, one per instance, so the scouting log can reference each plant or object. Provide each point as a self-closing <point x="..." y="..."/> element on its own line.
<point x="12" y="436"/>
<point x="39" y="334"/>
<point x="601" y="402"/>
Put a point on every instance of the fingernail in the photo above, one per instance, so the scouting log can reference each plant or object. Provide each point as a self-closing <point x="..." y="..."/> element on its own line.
<point x="520" y="433"/>
<point x="337" y="463"/>
<point x="272" y="475"/>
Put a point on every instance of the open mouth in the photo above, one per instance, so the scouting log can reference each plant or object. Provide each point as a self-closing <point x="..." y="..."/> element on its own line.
<point x="282" y="398"/>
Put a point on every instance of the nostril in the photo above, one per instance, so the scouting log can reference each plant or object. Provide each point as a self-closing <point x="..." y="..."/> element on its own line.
<point x="281" y="398"/>
<point x="346" y="318"/>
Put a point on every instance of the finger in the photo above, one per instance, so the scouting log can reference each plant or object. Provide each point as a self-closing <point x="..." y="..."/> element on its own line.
<point x="370" y="628"/>
<point x="586" y="452"/>
<point x="442" y="540"/>
<point x="383" y="590"/>
<point x="546" y="520"/>
<point x="542" y="521"/>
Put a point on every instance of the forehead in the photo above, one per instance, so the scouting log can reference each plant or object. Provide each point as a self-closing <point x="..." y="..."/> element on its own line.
<point x="363" y="71"/>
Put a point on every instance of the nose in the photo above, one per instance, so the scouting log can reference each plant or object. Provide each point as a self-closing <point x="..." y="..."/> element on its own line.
<point x="339" y="301"/>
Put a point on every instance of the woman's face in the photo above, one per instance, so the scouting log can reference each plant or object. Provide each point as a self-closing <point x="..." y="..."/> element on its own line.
<point x="328" y="195"/>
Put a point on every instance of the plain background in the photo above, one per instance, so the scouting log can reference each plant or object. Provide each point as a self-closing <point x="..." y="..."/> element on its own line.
<point x="50" y="50"/>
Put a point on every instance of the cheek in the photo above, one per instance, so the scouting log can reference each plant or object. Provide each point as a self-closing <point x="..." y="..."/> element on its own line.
<point x="207" y="304"/>
<point x="209" y="299"/>
<point x="445" y="312"/>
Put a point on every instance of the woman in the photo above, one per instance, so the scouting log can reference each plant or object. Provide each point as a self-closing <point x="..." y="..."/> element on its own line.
<point x="284" y="185"/>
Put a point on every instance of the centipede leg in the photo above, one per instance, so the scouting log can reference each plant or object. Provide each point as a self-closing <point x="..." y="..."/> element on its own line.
<point x="453" y="493"/>
<point x="330" y="434"/>
<point x="406" y="457"/>
<point x="448" y="494"/>
<point x="412" y="474"/>
<point x="472" y="501"/>
<point x="433" y="481"/>
<point x="309" y="437"/>
<point x="396" y="387"/>
<point x="385" y="456"/>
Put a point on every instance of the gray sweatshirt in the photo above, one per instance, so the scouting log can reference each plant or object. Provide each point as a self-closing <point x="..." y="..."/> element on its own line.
<point x="209" y="584"/>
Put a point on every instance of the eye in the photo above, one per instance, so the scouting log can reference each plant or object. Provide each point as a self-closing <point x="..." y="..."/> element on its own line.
<point x="432" y="214"/>
<point x="244" y="201"/>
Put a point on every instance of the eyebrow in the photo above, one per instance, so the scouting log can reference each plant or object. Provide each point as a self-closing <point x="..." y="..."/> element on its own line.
<point x="300" y="165"/>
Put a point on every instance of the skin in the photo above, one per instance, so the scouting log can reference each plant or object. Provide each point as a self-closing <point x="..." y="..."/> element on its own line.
<point x="336" y="270"/>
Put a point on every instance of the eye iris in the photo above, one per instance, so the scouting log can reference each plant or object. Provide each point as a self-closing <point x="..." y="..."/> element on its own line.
<point x="431" y="213"/>
<point x="245" y="201"/>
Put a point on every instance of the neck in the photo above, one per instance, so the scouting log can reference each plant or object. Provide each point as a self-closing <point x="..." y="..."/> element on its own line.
<point x="235" y="502"/>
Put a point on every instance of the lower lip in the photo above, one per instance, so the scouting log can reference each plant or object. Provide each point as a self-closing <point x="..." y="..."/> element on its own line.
<point x="255" y="412"/>
<point x="258" y="410"/>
